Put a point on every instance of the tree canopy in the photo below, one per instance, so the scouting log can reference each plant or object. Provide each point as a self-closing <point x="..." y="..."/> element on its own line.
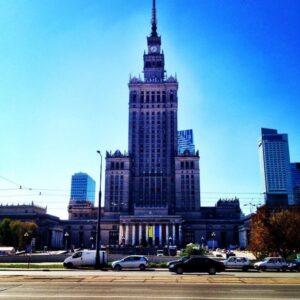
<point x="275" y="231"/>
<point x="12" y="232"/>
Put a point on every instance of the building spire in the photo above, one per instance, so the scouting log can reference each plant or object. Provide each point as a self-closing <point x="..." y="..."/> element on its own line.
<point x="154" y="20"/>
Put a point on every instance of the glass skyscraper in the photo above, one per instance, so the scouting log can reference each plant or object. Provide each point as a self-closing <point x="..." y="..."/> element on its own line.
<point x="83" y="188"/>
<point x="185" y="140"/>
<point x="275" y="162"/>
<point x="295" y="167"/>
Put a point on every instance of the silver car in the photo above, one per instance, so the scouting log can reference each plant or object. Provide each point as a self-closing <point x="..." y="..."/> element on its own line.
<point x="241" y="263"/>
<point x="131" y="262"/>
<point x="271" y="263"/>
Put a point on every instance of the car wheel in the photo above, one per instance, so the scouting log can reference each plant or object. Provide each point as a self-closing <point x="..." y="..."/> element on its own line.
<point x="142" y="267"/>
<point x="212" y="271"/>
<point x="245" y="269"/>
<point x="179" y="270"/>
<point x="117" y="268"/>
<point x="69" y="265"/>
<point x="263" y="269"/>
<point x="283" y="269"/>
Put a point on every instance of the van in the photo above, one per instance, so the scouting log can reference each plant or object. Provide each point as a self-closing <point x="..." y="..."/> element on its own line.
<point x="85" y="258"/>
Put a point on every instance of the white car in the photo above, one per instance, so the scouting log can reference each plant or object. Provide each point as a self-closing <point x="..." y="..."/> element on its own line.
<point x="271" y="263"/>
<point x="131" y="262"/>
<point x="241" y="263"/>
<point x="85" y="258"/>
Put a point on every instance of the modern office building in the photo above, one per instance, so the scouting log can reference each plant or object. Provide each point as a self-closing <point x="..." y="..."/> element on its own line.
<point x="275" y="165"/>
<point x="81" y="205"/>
<point x="185" y="139"/>
<point x="82" y="188"/>
<point x="295" y="169"/>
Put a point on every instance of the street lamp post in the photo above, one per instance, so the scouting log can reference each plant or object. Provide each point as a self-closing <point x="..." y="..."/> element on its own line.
<point x="202" y="241"/>
<point x="66" y="240"/>
<point x="98" y="233"/>
<point x="26" y="237"/>
<point x="92" y="242"/>
<point x="213" y="234"/>
<point x="170" y="243"/>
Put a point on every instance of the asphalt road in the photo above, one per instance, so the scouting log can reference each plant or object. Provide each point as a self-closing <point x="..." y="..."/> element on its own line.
<point x="147" y="273"/>
<point x="133" y="290"/>
<point x="92" y="284"/>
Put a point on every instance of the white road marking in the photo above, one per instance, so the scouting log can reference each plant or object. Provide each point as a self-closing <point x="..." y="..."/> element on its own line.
<point x="13" y="296"/>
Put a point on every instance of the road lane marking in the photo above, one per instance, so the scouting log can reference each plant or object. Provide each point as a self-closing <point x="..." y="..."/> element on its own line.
<point x="14" y="296"/>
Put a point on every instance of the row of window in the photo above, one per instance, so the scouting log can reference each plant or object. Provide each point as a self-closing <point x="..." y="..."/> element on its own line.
<point x="187" y="165"/>
<point x="117" y="165"/>
<point x="158" y="97"/>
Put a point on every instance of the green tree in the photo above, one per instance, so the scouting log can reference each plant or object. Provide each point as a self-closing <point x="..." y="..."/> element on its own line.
<point x="6" y="235"/>
<point x="193" y="249"/>
<point x="19" y="229"/>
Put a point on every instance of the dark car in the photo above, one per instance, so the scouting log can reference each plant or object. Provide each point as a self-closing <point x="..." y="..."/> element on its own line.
<point x="182" y="259"/>
<point x="294" y="265"/>
<point x="197" y="265"/>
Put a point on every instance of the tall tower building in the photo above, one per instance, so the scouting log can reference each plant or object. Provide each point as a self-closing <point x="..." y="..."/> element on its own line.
<point x="153" y="190"/>
<point x="295" y="168"/>
<point x="275" y="163"/>
<point x="153" y="129"/>
<point x="186" y="141"/>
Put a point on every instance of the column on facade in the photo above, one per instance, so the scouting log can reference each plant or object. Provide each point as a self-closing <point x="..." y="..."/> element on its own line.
<point x="160" y="233"/>
<point x="140" y="234"/>
<point x="126" y="234"/>
<point x="147" y="233"/>
<point x="121" y="233"/>
<point x="167" y="233"/>
<point x="174" y="234"/>
<point x="133" y="234"/>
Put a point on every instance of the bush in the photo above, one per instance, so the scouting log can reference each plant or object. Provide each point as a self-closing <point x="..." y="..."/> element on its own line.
<point x="158" y="265"/>
<point x="193" y="249"/>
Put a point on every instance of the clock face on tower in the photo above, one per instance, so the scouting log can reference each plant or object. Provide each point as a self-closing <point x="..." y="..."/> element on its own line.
<point x="153" y="49"/>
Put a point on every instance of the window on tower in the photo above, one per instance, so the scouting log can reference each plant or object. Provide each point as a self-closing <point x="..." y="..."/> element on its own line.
<point x="171" y="96"/>
<point x="158" y="97"/>
<point x="164" y="99"/>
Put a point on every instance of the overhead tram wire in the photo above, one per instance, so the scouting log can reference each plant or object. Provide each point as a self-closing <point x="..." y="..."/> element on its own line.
<point x="23" y="187"/>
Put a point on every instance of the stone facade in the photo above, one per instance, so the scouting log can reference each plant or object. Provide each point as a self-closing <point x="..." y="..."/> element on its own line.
<point x="187" y="182"/>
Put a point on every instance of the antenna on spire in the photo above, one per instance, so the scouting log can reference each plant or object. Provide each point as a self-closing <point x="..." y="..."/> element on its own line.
<point x="154" y="20"/>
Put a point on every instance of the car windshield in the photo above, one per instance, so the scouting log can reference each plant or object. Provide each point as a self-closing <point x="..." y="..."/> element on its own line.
<point x="266" y="259"/>
<point x="128" y="258"/>
<point x="77" y="254"/>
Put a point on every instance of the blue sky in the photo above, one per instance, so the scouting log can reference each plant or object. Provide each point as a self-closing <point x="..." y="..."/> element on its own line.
<point x="64" y="69"/>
